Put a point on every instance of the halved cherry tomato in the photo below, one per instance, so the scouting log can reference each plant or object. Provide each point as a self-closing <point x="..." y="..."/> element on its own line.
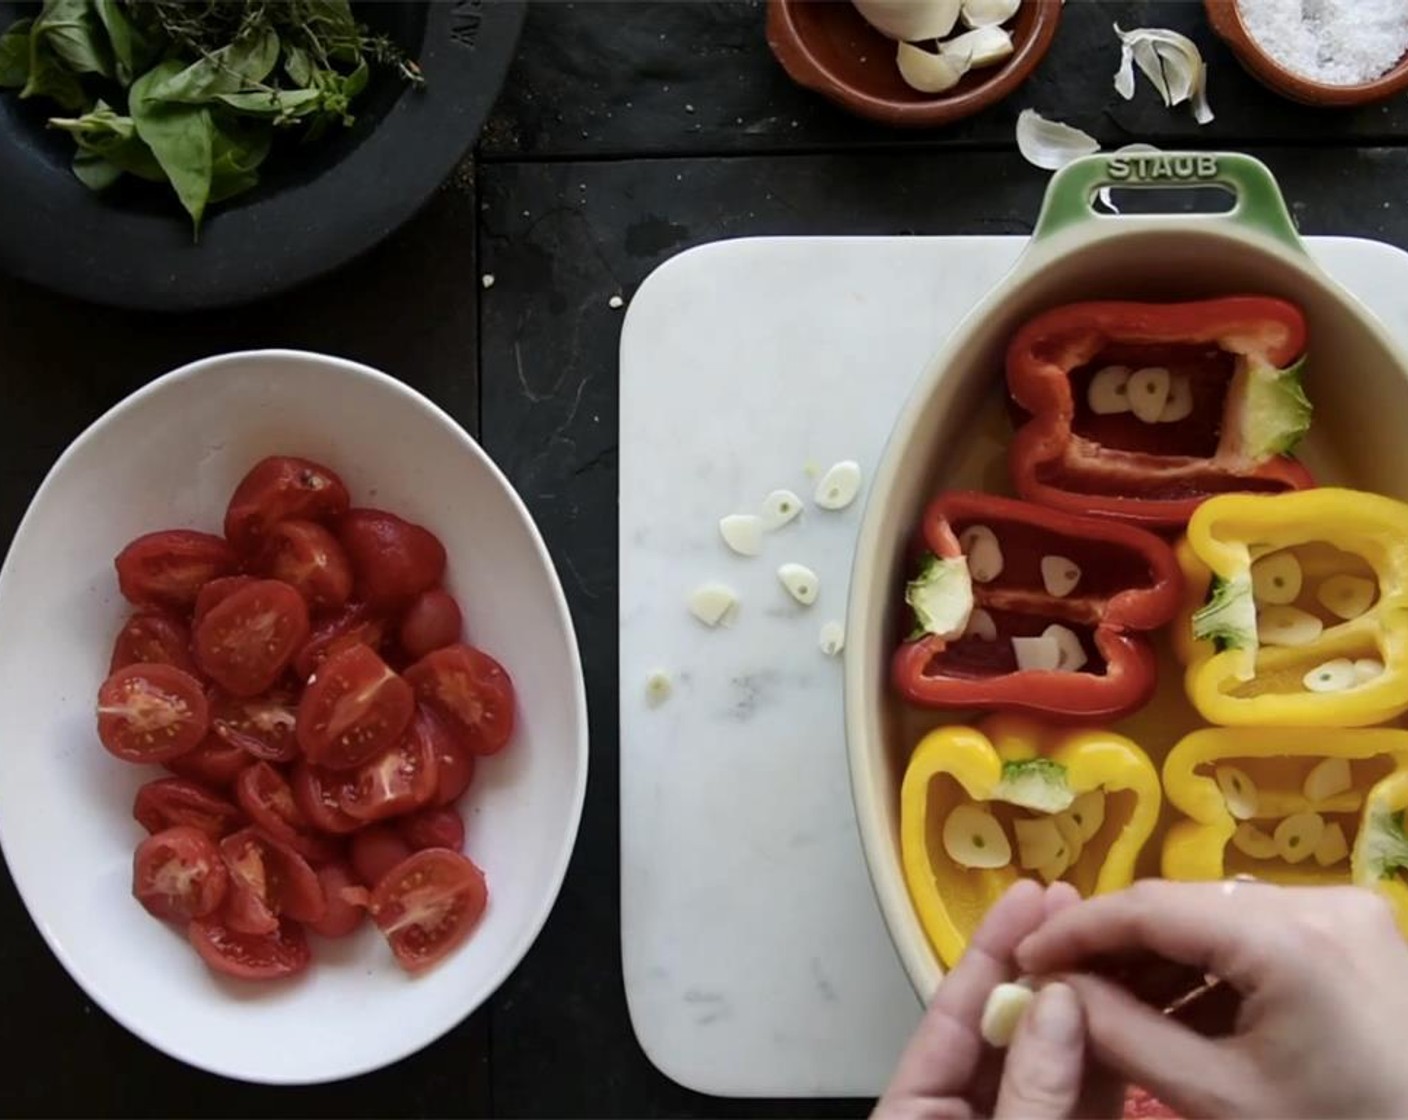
<point x="396" y="781"/>
<point x="436" y="827"/>
<point x="277" y="489"/>
<point x="267" y="880"/>
<point x="393" y="560"/>
<point x="428" y="906"/>
<point x="284" y="952"/>
<point x="261" y="725"/>
<point x="319" y="793"/>
<point x="375" y="850"/>
<point x="353" y="709"/>
<point x="169" y="568"/>
<point x="264" y="794"/>
<point x="355" y="625"/>
<point x="151" y="713"/>
<point x="346" y="901"/>
<point x="308" y="558"/>
<point x="178" y="875"/>
<point x="246" y="641"/>
<point x="472" y="691"/>
<point x="454" y="765"/>
<point x="152" y="638"/>
<point x="213" y="761"/>
<point x="171" y="802"/>
<point x="432" y="622"/>
<point x="216" y="592"/>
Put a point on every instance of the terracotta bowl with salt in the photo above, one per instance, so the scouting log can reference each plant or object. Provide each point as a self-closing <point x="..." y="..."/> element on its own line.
<point x="1227" y="20"/>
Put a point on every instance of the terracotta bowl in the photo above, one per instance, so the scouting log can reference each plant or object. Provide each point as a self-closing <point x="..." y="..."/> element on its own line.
<point x="826" y="46"/>
<point x="1226" y="20"/>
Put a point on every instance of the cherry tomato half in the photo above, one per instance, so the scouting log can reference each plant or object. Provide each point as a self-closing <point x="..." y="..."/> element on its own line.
<point x="216" y="592"/>
<point x="375" y="850"/>
<point x="152" y="638"/>
<point x="213" y="762"/>
<point x="392" y="559"/>
<point x="178" y="875"/>
<point x="355" y="625"/>
<point x="263" y="726"/>
<point x="169" y="568"/>
<point x="151" y="713"/>
<point x="432" y="622"/>
<point x="284" y="952"/>
<point x="353" y="709"/>
<point x="319" y="793"/>
<point x="428" y="906"/>
<point x="264" y="794"/>
<point x="244" y="642"/>
<point x="472" y="691"/>
<point x="267" y="880"/>
<point x="346" y="901"/>
<point x="454" y="765"/>
<point x="396" y="781"/>
<point x="277" y="489"/>
<point x="308" y="558"/>
<point x="437" y="827"/>
<point x="172" y="802"/>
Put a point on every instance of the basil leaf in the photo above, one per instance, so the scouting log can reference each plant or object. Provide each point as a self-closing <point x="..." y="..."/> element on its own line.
<point x="132" y="51"/>
<point x="298" y="66"/>
<point x="14" y="54"/>
<point x="107" y="135"/>
<point x="281" y="105"/>
<point x="72" y="30"/>
<point x="243" y="63"/>
<point x="180" y="136"/>
<point x="48" y="77"/>
<point x="94" y="171"/>
<point x="239" y="148"/>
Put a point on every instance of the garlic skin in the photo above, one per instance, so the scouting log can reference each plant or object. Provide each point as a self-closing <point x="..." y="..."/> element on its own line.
<point x="910" y="20"/>
<point x="1051" y="145"/>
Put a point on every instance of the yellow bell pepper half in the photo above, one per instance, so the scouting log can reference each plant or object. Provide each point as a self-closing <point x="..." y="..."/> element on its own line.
<point x="1017" y="769"/>
<point x="1239" y="673"/>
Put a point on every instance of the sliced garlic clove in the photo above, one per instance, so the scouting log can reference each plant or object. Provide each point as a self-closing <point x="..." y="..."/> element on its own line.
<point x="1332" y="676"/>
<point x="983" y="46"/>
<point x="779" y="508"/>
<point x="929" y="72"/>
<point x="713" y="603"/>
<point x="742" y="532"/>
<point x="801" y="583"/>
<point x="1041" y="654"/>
<point x="1238" y="791"/>
<point x="1005" y="1006"/>
<point x="1109" y="391"/>
<point x="1071" y="655"/>
<point x="1051" y="145"/>
<point x="1088" y="811"/>
<point x="1346" y="597"/>
<point x="979" y="544"/>
<point x="838" y="486"/>
<point x="1059" y="576"/>
<point x="989" y="13"/>
<point x="974" y="838"/>
<point x="1252" y="841"/>
<point x="1276" y="579"/>
<point x="1179" y="405"/>
<point x="910" y="20"/>
<point x="1298" y="836"/>
<point x="1038" y="841"/>
<point x="1070" y="832"/>
<point x="981" y="626"/>
<point x="1333" y="846"/>
<point x="1367" y="669"/>
<point x="658" y="687"/>
<point x="833" y="639"/>
<point x="1329" y="777"/>
<point x="1148" y="392"/>
<point x="1287" y="626"/>
<point x="1052" y="871"/>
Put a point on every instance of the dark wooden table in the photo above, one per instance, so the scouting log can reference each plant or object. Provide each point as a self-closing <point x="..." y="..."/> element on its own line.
<point x="626" y="133"/>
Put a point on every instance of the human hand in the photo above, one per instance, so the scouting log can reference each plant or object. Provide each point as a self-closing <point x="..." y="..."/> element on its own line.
<point x="1323" y="975"/>
<point x="948" y="1071"/>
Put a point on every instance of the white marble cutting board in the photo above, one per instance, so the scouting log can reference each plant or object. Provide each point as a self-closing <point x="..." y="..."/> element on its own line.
<point x="756" y="962"/>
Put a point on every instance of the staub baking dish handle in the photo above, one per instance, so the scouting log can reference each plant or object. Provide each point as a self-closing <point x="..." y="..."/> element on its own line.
<point x="1259" y="205"/>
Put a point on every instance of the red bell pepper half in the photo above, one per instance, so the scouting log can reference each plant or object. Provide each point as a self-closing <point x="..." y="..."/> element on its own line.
<point x="1227" y="394"/>
<point x="1100" y="581"/>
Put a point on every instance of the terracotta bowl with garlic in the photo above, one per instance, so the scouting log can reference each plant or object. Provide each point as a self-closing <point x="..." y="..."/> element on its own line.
<point x="912" y="63"/>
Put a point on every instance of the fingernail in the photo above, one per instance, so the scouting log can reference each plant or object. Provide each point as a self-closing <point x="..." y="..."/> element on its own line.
<point x="1055" y="1014"/>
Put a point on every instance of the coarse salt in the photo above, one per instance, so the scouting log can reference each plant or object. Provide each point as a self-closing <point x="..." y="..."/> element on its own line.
<point x="1335" y="42"/>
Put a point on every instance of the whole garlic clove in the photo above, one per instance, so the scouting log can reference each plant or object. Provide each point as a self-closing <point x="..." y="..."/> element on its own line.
<point x="910" y="20"/>
<point x="983" y="46"/>
<point x="988" y="13"/>
<point x="1005" y="1006"/>
<point x="930" y="72"/>
<point x="973" y="838"/>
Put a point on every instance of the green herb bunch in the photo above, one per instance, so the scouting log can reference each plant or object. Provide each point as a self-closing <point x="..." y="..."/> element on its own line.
<point x="191" y="92"/>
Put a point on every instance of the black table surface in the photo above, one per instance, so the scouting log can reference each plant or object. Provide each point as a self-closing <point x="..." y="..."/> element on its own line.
<point x="626" y="133"/>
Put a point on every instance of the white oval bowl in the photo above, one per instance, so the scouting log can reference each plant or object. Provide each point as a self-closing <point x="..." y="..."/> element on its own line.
<point x="170" y="456"/>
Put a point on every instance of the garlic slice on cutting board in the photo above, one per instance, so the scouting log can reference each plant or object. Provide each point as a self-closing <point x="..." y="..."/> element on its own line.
<point x="780" y="508"/>
<point x="742" y="532"/>
<point x="838" y="486"/>
<point x="801" y="583"/>
<point x="713" y="603"/>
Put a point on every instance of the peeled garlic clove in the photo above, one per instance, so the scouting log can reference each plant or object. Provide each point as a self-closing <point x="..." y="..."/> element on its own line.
<point x="1298" y="836"/>
<point x="1346" y="597"/>
<point x="1251" y="841"/>
<point x="929" y="72"/>
<point x="981" y="626"/>
<point x="979" y="544"/>
<point x="1006" y="1005"/>
<point x="1071" y="655"/>
<point x="1333" y="846"/>
<point x="1088" y="811"/>
<point x="1148" y="392"/>
<point x="1366" y="669"/>
<point x="910" y="20"/>
<point x="1109" y="391"/>
<point x="1036" y="654"/>
<point x="838" y="486"/>
<point x="1179" y="405"/>
<point x="1287" y="626"/>
<point x="1059" y="576"/>
<point x="801" y="583"/>
<point x="658" y="687"/>
<point x="712" y="603"/>
<point x="1238" y="791"/>
<point x="982" y="46"/>
<point x="1070" y="833"/>
<point x="780" y="507"/>
<point x="742" y="532"/>
<point x="833" y="639"/>
<point x="974" y="838"/>
<point x="1329" y="777"/>
<point x="989" y="13"/>
<point x="1276" y="579"/>
<point x="1332" y="676"/>
<point x="1038" y="842"/>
